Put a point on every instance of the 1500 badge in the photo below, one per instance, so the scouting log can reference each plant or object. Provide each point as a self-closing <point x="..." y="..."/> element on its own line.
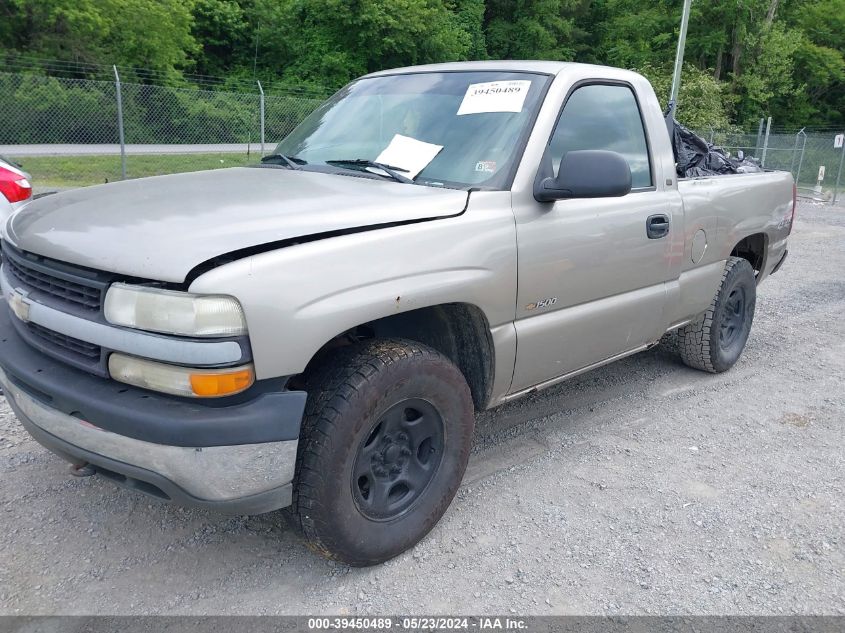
<point x="542" y="303"/>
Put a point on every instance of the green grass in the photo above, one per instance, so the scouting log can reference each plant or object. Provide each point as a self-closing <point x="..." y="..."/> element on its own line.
<point x="80" y="171"/>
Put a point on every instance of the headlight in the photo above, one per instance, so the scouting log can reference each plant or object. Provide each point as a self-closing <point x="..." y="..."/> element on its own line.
<point x="181" y="381"/>
<point x="171" y="312"/>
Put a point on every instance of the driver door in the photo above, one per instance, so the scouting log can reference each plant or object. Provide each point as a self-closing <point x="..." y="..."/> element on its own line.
<point x="591" y="279"/>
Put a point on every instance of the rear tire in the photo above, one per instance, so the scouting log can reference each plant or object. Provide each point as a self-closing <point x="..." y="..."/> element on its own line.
<point x="716" y="339"/>
<point x="384" y="445"/>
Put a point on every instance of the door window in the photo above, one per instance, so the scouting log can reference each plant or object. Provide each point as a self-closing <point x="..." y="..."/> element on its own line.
<point x="605" y="117"/>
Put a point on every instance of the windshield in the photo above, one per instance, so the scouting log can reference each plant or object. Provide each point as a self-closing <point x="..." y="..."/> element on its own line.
<point x="458" y="129"/>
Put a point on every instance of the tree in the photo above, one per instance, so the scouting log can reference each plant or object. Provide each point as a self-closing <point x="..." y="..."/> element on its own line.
<point x="634" y="34"/>
<point x="765" y="57"/>
<point x="530" y="29"/>
<point x="149" y="34"/>
<point x="333" y="41"/>
<point x="819" y="63"/>
<point x="701" y="99"/>
<point x="222" y="31"/>
<point x="469" y="18"/>
<point x="768" y="73"/>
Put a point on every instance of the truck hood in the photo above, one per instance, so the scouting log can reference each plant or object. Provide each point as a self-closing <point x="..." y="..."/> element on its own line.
<point x="161" y="228"/>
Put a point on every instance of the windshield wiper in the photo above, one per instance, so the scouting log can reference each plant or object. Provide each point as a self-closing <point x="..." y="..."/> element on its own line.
<point x="293" y="162"/>
<point x="389" y="170"/>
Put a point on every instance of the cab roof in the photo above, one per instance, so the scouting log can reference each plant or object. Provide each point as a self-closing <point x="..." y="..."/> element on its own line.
<point x="508" y="65"/>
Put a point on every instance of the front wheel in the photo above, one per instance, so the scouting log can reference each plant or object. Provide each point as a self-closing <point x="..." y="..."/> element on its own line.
<point x="384" y="446"/>
<point x="716" y="339"/>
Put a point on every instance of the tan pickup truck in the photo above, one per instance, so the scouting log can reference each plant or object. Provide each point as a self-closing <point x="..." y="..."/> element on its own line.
<point x="318" y="331"/>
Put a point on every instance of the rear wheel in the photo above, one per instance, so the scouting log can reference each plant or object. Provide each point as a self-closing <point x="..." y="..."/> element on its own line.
<point x="384" y="445"/>
<point x="716" y="339"/>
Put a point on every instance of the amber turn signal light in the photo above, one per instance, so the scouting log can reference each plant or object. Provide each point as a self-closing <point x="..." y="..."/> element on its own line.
<point x="221" y="384"/>
<point x="191" y="382"/>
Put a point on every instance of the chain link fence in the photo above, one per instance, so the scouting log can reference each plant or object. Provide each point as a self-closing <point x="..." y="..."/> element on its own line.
<point x="800" y="152"/>
<point x="69" y="132"/>
<point x="74" y="132"/>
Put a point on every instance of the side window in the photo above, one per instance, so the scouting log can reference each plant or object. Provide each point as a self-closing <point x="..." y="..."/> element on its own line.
<point x="604" y="117"/>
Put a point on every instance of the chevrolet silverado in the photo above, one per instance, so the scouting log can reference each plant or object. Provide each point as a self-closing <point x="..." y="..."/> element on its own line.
<point x="316" y="332"/>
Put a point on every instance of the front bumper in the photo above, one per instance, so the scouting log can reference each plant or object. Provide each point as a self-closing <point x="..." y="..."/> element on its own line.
<point x="243" y="479"/>
<point x="237" y="459"/>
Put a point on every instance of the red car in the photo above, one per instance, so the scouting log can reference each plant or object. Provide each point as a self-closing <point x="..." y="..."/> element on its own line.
<point x="15" y="189"/>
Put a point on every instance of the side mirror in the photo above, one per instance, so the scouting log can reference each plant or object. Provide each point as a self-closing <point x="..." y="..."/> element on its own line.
<point x="588" y="173"/>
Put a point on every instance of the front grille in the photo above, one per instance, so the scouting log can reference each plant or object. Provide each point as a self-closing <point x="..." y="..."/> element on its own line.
<point x="54" y="280"/>
<point x="64" y="287"/>
<point x="83" y="349"/>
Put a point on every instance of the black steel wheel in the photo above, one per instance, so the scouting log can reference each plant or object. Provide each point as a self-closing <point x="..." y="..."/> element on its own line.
<point x="716" y="339"/>
<point x="383" y="448"/>
<point x="398" y="459"/>
<point x="733" y="318"/>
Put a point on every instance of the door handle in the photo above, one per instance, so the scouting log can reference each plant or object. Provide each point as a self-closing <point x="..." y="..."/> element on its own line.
<point x="657" y="226"/>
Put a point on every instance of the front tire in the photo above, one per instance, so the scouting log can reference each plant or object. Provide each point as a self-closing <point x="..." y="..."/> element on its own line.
<point x="716" y="339"/>
<point x="384" y="445"/>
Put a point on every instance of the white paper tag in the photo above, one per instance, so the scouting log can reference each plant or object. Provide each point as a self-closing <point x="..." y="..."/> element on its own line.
<point x="495" y="96"/>
<point x="408" y="153"/>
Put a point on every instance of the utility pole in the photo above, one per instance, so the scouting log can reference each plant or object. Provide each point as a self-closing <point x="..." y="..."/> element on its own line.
<point x="766" y="142"/>
<point x="679" y="62"/>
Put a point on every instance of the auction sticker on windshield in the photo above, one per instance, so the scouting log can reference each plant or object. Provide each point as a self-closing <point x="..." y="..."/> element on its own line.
<point x="409" y="154"/>
<point x="495" y="96"/>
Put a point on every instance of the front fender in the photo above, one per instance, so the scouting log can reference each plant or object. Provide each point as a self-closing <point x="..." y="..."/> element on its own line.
<point x="299" y="297"/>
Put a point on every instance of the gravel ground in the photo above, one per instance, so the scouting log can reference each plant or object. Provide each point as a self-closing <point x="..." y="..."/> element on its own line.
<point x="640" y="488"/>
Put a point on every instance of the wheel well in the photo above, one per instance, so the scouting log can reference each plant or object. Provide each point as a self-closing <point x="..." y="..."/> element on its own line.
<point x="752" y="249"/>
<point x="459" y="331"/>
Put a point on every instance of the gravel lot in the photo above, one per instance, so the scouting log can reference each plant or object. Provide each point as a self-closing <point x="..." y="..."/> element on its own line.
<point x="642" y="487"/>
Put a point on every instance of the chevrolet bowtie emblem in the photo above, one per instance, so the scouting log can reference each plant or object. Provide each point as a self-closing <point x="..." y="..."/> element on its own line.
<point x="19" y="304"/>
